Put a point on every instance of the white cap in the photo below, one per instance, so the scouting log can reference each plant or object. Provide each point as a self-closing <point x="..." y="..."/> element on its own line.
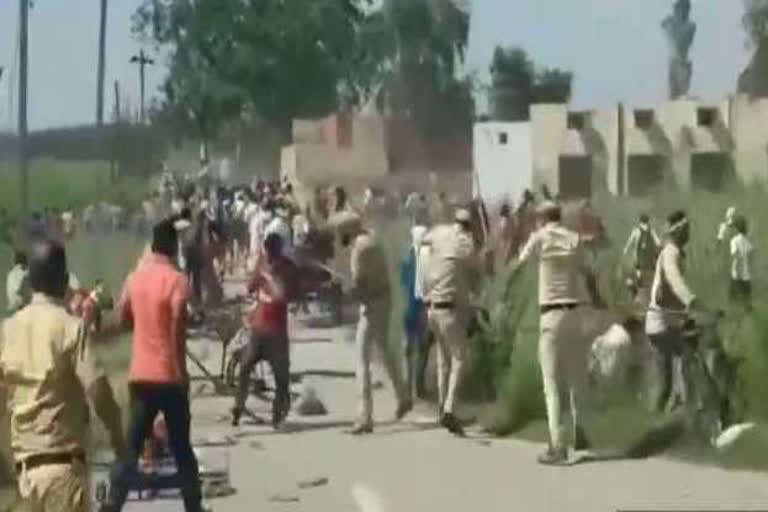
<point x="463" y="215"/>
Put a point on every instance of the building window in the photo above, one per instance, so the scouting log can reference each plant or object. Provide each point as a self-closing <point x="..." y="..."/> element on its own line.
<point x="503" y="138"/>
<point x="706" y="117"/>
<point x="644" y="119"/>
<point x="577" y="120"/>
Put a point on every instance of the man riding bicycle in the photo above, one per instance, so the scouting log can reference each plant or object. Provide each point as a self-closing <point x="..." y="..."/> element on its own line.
<point x="671" y="301"/>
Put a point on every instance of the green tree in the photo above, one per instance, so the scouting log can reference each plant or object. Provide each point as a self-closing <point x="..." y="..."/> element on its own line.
<point x="512" y="76"/>
<point x="279" y="59"/>
<point x="516" y="84"/>
<point x="754" y="79"/>
<point x="417" y="47"/>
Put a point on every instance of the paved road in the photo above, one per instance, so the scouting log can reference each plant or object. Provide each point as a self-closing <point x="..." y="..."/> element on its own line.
<point x="415" y="467"/>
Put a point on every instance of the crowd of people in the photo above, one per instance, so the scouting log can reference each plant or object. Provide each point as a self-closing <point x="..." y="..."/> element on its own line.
<point x="210" y="230"/>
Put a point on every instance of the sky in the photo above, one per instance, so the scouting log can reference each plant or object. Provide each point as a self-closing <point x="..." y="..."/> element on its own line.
<point x="614" y="47"/>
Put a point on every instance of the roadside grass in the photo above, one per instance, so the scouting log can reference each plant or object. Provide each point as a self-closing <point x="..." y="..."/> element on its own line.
<point x="62" y="183"/>
<point x="511" y="338"/>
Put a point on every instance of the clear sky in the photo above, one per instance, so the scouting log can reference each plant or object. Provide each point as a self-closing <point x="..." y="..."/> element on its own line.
<point x="615" y="48"/>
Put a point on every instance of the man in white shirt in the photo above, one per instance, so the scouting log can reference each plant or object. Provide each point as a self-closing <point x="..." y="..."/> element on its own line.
<point x="725" y="230"/>
<point x="18" y="292"/>
<point x="643" y="248"/>
<point x="257" y="228"/>
<point x="281" y="226"/>
<point x="741" y="264"/>
<point x="671" y="301"/>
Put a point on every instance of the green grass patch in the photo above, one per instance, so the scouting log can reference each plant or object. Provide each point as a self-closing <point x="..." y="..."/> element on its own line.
<point x="61" y="183"/>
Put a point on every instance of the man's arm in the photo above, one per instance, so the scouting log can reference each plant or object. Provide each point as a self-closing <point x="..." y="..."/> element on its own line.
<point x="632" y="241"/>
<point x="530" y="249"/>
<point x="671" y="265"/>
<point x="179" y="298"/>
<point x="356" y="265"/>
<point x="98" y="390"/>
<point x="119" y="320"/>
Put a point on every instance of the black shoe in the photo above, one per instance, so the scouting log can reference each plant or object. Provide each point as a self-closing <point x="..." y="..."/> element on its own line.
<point x="359" y="429"/>
<point x="452" y="424"/>
<point x="404" y="408"/>
<point x="582" y="441"/>
<point x="553" y="457"/>
<point x="237" y="413"/>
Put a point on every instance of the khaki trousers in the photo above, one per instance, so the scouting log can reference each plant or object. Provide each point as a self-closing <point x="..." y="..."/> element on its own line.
<point x="373" y="330"/>
<point x="450" y="332"/>
<point x="55" y="488"/>
<point x="565" y="339"/>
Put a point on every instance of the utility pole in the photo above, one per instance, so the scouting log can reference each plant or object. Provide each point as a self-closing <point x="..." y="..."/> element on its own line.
<point x="117" y="102"/>
<point x="102" y="64"/>
<point x="142" y="60"/>
<point x="23" y="73"/>
<point x="115" y="141"/>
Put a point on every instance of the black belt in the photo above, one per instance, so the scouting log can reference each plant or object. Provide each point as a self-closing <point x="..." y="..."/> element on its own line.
<point x="555" y="307"/>
<point x="441" y="305"/>
<point x="49" y="459"/>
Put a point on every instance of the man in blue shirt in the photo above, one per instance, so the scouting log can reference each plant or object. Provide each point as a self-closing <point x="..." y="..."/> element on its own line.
<point x="414" y="318"/>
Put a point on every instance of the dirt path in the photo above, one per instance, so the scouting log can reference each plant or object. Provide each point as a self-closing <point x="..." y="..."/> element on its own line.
<point x="415" y="467"/>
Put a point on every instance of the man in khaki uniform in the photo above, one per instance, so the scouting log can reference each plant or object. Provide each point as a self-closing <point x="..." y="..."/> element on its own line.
<point x="568" y="324"/>
<point x="49" y="372"/>
<point x="371" y="287"/>
<point x="446" y="289"/>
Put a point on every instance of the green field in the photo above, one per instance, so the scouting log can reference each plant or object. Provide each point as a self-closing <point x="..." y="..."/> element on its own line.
<point x="60" y="184"/>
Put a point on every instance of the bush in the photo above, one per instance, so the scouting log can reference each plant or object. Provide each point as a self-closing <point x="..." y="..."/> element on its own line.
<point x="516" y="381"/>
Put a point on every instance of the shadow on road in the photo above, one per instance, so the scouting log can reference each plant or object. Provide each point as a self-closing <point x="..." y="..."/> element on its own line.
<point x="331" y="374"/>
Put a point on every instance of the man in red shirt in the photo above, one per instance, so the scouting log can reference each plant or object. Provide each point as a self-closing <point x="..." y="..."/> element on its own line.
<point x="275" y="284"/>
<point x="154" y="303"/>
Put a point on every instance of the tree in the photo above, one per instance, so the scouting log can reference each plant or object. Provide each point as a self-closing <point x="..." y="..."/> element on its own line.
<point x="512" y="76"/>
<point x="280" y="59"/>
<point x="415" y="47"/>
<point x="516" y="84"/>
<point x="754" y="79"/>
<point x="552" y="86"/>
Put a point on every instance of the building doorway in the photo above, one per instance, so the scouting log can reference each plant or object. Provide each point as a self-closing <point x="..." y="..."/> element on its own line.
<point x="575" y="177"/>
<point x="645" y="173"/>
<point x="710" y="171"/>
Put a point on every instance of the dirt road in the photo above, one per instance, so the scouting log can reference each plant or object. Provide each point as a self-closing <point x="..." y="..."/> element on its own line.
<point x="415" y="467"/>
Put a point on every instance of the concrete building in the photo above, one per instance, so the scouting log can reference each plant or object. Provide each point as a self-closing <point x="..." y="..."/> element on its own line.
<point x="632" y="150"/>
<point x="506" y="148"/>
<point x="365" y="149"/>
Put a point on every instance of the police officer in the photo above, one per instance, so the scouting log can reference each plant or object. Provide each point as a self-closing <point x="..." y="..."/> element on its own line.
<point x="446" y="290"/>
<point x="568" y="324"/>
<point x="49" y="388"/>
<point x="370" y="287"/>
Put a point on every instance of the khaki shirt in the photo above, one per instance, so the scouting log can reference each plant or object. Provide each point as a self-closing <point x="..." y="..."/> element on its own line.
<point x="370" y="272"/>
<point x="451" y="265"/>
<point x="47" y="365"/>
<point x="561" y="260"/>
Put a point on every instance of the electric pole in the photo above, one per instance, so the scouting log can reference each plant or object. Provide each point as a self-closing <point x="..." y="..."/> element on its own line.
<point x="23" y="73"/>
<point x="142" y="60"/>
<point x="102" y="64"/>
<point x="117" y="102"/>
